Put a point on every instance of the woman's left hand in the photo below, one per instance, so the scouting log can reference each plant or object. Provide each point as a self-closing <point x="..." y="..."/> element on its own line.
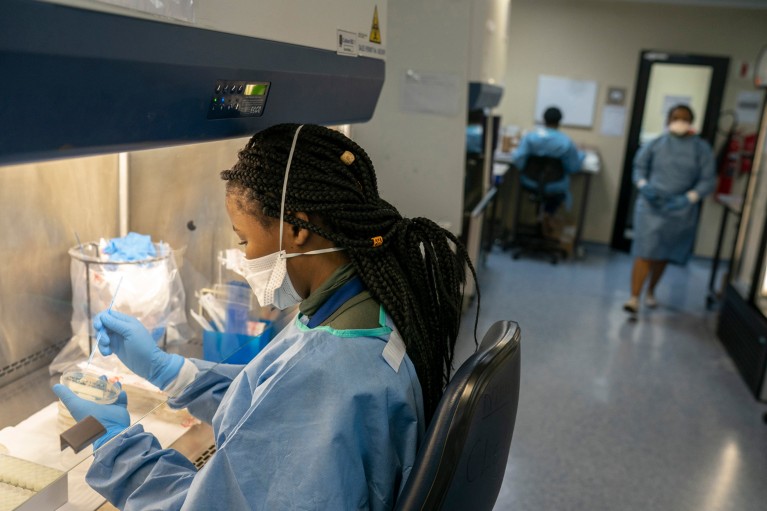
<point x="114" y="417"/>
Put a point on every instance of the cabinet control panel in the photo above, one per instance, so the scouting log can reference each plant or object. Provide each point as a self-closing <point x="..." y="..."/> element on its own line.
<point x="237" y="98"/>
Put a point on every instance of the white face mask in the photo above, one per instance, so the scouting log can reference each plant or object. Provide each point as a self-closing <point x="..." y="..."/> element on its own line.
<point x="268" y="275"/>
<point x="679" y="127"/>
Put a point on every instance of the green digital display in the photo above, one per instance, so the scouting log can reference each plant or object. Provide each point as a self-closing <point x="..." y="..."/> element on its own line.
<point x="255" y="89"/>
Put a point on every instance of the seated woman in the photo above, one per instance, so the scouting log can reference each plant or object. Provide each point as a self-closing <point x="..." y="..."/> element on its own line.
<point x="331" y="413"/>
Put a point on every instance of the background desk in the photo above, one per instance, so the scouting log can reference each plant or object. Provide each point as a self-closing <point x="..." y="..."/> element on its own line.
<point x="592" y="164"/>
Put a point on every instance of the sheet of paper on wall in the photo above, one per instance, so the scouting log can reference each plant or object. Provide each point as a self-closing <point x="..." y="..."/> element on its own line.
<point x="671" y="100"/>
<point x="431" y="93"/>
<point x="576" y="99"/>
<point x="747" y="107"/>
<point x="613" y="120"/>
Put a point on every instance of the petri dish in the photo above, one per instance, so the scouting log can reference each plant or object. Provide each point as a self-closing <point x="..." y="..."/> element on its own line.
<point x="90" y="386"/>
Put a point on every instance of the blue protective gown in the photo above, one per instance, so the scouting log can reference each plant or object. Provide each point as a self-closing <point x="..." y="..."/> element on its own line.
<point x="317" y="421"/>
<point x="672" y="165"/>
<point x="555" y="144"/>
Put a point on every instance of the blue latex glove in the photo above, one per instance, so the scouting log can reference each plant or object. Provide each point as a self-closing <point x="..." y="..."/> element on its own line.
<point x="114" y="417"/>
<point x="676" y="202"/>
<point x="651" y="195"/>
<point x="127" y="338"/>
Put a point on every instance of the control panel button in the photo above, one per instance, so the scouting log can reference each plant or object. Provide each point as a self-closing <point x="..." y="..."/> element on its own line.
<point x="237" y="99"/>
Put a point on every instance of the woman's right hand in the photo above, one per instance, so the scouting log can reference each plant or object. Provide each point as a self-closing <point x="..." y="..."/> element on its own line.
<point x="127" y="338"/>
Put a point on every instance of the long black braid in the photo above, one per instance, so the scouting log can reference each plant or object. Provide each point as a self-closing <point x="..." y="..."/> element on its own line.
<point x="413" y="267"/>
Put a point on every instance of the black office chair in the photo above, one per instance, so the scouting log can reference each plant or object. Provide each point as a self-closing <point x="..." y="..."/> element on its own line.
<point x="462" y="461"/>
<point x="532" y="239"/>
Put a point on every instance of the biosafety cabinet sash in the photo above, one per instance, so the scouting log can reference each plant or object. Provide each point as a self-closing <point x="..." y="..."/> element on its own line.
<point x="87" y="77"/>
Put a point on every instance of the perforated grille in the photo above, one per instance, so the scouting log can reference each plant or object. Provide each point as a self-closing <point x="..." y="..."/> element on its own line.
<point x="30" y="362"/>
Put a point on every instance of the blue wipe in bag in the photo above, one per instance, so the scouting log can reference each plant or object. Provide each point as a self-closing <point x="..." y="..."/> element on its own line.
<point x="131" y="247"/>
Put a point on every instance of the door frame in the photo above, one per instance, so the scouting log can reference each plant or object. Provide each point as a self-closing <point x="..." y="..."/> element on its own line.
<point x="720" y="67"/>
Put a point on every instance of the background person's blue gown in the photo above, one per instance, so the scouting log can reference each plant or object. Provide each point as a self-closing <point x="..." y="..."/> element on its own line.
<point x="318" y="420"/>
<point x="555" y="144"/>
<point x="672" y="165"/>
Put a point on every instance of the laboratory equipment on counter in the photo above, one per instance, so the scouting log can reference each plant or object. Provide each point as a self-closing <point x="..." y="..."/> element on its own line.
<point x="90" y="386"/>
<point x="87" y="385"/>
<point x="149" y="288"/>
<point x="28" y="486"/>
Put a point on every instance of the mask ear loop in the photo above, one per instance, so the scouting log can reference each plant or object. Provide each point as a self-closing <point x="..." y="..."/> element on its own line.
<point x="285" y="185"/>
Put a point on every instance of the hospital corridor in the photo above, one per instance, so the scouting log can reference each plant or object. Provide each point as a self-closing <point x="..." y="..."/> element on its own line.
<point x="617" y="413"/>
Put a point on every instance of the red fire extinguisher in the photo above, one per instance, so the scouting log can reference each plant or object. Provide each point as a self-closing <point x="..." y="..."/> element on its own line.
<point x="747" y="154"/>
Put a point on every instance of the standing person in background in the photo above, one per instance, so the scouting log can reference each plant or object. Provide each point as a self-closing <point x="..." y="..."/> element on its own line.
<point x="672" y="173"/>
<point x="549" y="141"/>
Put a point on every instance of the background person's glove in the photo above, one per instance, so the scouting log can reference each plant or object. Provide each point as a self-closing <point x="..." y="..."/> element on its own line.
<point x="676" y="202"/>
<point x="651" y="195"/>
<point x="113" y="417"/>
<point x="127" y="338"/>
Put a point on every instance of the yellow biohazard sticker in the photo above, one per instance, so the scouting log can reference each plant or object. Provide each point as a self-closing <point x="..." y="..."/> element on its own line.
<point x="375" y="30"/>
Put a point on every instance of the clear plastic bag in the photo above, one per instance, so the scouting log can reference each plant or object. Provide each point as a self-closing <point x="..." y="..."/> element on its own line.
<point x="151" y="290"/>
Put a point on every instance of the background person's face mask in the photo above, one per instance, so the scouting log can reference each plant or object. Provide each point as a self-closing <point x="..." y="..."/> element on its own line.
<point x="679" y="127"/>
<point x="268" y="275"/>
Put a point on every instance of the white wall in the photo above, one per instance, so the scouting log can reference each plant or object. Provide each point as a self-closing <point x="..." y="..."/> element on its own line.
<point x="601" y="40"/>
<point x="419" y="157"/>
<point x="489" y="40"/>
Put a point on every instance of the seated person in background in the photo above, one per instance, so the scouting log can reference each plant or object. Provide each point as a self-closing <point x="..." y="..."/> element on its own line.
<point x="549" y="141"/>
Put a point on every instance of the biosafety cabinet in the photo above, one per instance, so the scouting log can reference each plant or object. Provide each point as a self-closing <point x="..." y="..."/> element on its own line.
<point x="743" y="319"/>
<point x="118" y="115"/>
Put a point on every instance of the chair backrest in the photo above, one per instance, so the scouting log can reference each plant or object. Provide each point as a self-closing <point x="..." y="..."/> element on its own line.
<point x="463" y="457"/>
<point x="543" y="170"/>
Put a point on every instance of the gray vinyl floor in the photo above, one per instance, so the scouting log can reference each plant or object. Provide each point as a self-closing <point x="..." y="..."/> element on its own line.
<point x="617" y="414"/>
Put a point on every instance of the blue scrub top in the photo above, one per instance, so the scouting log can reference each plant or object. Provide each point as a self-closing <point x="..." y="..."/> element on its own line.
<point x="555" y="144"/>
<point x="318" y="420"/>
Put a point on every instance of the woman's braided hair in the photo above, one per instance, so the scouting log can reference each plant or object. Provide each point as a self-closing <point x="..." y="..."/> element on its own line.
<point x="413" y="267"/>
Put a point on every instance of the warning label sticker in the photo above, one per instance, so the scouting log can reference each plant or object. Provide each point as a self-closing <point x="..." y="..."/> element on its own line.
<point x="371" y="44"/>
<point x="375" y="29"/>
<point x="347" y="43"/>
